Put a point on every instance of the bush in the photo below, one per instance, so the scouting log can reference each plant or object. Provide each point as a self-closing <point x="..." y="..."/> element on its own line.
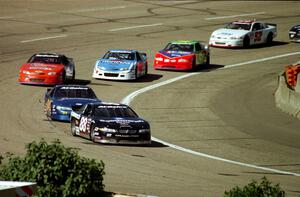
<point x="264" y="189"/>
<point x="58" y="171"/>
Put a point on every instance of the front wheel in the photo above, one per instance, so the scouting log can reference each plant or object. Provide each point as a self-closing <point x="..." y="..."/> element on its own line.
<point x="92" y="134"/>
<point x="246" y="42"/>
<point x="207" y="63"/>
<point x="73" y="127"/>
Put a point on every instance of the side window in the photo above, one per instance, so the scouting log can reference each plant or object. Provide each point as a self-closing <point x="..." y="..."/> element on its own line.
<point x="256" y="27"/>
<point x="51" y="93"/>
<point x="197" y="47"/>
<point x="138" y="57"/>
<point x="65" y="60"/>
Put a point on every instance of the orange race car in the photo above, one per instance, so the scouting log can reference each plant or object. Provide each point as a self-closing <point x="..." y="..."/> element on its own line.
<point x="47" y="69"/>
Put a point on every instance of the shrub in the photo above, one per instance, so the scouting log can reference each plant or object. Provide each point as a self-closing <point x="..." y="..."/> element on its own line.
<point x="263" y="189"/>
<point x="58" y="171"/>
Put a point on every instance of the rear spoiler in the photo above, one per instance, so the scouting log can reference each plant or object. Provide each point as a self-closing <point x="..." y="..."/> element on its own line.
<point x="271" y="24"/>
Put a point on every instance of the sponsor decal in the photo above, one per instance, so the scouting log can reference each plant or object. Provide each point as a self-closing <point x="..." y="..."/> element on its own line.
<point x="74" y="88"/>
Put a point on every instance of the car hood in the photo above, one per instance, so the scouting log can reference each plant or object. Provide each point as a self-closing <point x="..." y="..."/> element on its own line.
<point x="229" y="32"/>
<point x="122" y="123"/>
<point x="173" y="54"/>
<point x="43" y="67"/>
<point x="71" y="102"/>
<point x="107" y="64"/>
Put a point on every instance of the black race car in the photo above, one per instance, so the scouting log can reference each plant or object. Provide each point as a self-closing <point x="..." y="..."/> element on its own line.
<point x="294" y="33"/>
<point x="110" y="123"/>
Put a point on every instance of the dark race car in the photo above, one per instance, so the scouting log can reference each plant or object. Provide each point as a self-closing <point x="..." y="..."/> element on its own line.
<point x="110" y="123"/>
<point x="60" y="100"/>
<point x="294" y="33"/>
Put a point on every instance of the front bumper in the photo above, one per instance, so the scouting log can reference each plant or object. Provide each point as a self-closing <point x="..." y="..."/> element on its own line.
<point x="295" y="37"/>
<point x="40" y="80"/>
<point x="121" y="75"/>
<point x="226" y="43"/>
<point x="159" y="65"/>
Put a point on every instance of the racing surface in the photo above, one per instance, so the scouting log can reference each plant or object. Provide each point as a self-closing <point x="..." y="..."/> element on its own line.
<point x="226" y="112"/>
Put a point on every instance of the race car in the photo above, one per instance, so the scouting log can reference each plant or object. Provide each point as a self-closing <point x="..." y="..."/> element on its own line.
<point x="61" y="99"/>
<point x="243" y="33"/>
<point x="47" y="69"/>
<point x="121" y="65"/>
<point x="294" y="33"/>
<point x="110" y="123"/>
<point x="182" y="55"/>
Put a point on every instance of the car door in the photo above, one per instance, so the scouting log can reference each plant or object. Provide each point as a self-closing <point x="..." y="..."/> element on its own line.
<point x="199" y="53"/>
<point x="258" y="33"/>
<point x="85" y="121"/>
<point x="140" y="64"/>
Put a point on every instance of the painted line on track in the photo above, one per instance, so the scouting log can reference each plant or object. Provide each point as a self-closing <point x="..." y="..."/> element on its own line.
<point x="128" y="99"/>
<point x="234" y="16"/>
<point x="44" y="38"/>
<point x="135" y="27"/>
<point x="100" y="9"/>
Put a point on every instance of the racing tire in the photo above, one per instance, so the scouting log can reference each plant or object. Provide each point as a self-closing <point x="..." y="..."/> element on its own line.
<point x="136" y="73"/>
<point x="73" y="76"/>
<point x="194" y="64"/>
<point x="146" y="69"/>
<point x="246" y="42"/>
<point x="64" y="78"/>
<point x="73" y="128"/>
<point x="207" y="63"/>
<point x="92" y="134"/>
<point x="269" y="39"/>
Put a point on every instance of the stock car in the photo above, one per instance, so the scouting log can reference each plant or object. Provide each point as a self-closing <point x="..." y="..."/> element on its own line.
<point x="121" y="65"/>
<point x="294" y="33"/>
<point x="47" y="69"/>
<point x="182" y="55"/>
<point x="243" y="33"/>
<point x="61" y="99"/>
<point x="110" y="123"/>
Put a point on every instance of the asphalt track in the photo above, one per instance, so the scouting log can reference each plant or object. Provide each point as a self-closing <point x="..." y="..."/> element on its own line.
<point x="220" y="111"/>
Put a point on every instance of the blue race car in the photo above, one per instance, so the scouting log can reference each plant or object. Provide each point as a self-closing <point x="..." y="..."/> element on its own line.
<point x="61" y="99"/>
<point x="121" y="65"/>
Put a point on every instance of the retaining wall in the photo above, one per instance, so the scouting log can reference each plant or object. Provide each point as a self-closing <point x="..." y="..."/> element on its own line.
<point x="286" y="99"/>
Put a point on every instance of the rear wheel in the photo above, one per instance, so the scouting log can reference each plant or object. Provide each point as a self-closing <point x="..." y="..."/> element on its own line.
<point x="73" y="127"/>
<point x="146" y="69"/>
<point x="136" y="73"/>
<point x="270" y="39"/>
<point x="207" y="63"/>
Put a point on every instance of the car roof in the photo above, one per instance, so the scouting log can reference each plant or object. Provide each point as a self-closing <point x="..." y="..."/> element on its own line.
<point x="48" y="54"/>
<point x="122" y="51"/>
<point x="245" y="21"/>
<point x="184" y="42"/>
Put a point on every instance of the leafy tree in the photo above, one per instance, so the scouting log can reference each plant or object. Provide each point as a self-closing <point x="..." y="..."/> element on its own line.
<point x="57" y="170"/>
<point x="263" y="189"/>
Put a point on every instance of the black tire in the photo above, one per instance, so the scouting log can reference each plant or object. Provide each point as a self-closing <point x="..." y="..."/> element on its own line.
<point x="146" y="69"/>
<point x="246" y="42"/>
<point x="207" y="63"/>
<point x="269" y="39"/>
<point x="64" y="78"/>
<point x="136" y="73"/>
<point x="73" y="127"/>
<point x="92" y="134"/>
<point x="194" y="64"/>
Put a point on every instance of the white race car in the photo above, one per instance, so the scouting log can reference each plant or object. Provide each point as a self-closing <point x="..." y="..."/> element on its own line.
<point x="243" y="33"/>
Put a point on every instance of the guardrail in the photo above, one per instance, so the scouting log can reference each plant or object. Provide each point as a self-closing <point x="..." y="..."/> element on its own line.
<point x="17" y="189"/>
<point x="287" y="99"/>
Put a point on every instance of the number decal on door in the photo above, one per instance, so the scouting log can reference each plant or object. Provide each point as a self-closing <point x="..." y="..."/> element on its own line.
<point x="83" y="124"/>
<point x="257" y="36"/>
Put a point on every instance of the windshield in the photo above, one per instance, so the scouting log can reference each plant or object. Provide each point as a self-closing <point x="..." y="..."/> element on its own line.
<point x="45" y="59"/>
<point x="242" y="26"/>
<point x="179" y="47"/>
<point x="75" y="92"/>
<point x="112" y="111"/>
<point x="119" y="56"/>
